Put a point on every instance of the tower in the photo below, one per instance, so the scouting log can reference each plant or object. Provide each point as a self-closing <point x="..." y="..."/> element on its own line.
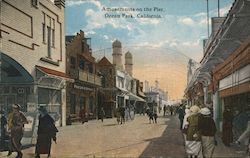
<point x="129" y="63"/>
<point x="117" y="54"/>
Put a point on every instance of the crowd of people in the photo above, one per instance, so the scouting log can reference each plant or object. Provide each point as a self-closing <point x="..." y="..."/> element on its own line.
<point x="199" y="129"/>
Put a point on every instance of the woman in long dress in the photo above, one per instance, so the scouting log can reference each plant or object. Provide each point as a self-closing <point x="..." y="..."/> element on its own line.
<point x="46" y="132"/>
<point x="193" y="139"/>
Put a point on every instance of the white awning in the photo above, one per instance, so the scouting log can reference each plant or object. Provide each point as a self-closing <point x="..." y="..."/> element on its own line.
<point x="135" y="97"/>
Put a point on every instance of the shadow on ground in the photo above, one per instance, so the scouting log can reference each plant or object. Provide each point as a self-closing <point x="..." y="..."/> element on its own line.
<point x="169" y="144"/>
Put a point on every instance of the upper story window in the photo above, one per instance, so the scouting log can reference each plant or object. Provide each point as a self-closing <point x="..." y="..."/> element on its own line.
<point x="35" y="3"/>
<point x="72" y="62"/>
<point x="48" y="28"/>
<point x="81" y="64"/>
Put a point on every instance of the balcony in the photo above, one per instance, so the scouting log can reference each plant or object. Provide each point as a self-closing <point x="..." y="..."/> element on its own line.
<point x="89" y="77"/>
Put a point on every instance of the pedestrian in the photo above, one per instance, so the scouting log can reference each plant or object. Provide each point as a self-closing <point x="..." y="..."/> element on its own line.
<point x="227" y="133"/>
<point x="155" y="116"/>
<point x="193" y="139"/>
<point x="9" y="126"/>
<point x="122" y="112"/>
<point x="46" y="131"/>
<point x="164" y="110"/>
<point x="17" y="128"/>
<point x="3" y="129"/>
<point x="239" y="123"/>
<point x="181" y="114"/>
<point x="102" y="113"/>
<point x="245" y="137"/>
<point x="171" y="110"/>
<point x="82" y="115"/>
<point x="208" y="129"/>
<point x="118" y="115"/>
<point x="150" y="115"/>
<point x="185" y="123"/>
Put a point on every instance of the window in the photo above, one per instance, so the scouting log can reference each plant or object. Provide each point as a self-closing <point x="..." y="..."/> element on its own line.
<point x="34" y="3"/>
<point x="72" y="62"/>
<point x="49" y="41"/>
<point x="53" y="32"/>
<point x="90" y="68"/>
<point x="53" y="37"/>
<point x="44" y="33"/>
<point x="81" y="64"/>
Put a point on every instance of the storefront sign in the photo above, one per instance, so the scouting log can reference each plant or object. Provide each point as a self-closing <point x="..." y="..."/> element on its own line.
<point x="83" y="88"/>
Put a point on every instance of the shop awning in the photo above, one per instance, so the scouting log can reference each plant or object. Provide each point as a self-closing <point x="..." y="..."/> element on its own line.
<point x="135" y="97"/>
<point x="54" y="73"/>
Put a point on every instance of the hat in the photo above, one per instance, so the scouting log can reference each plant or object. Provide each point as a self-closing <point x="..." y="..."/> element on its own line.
<point x="187" y="111"/>
<point x="42" y="109"/>
<point x="205" y="111"/>
<point x="194" y="109"/>
<point x="16" y="106"/>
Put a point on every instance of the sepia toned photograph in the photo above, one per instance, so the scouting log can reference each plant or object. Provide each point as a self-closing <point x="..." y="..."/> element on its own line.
<point x="125" y="78"/>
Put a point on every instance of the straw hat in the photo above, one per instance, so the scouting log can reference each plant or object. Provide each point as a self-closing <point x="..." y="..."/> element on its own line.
<point x="194" y="109"/>
<point x="205" y="111"/>
<point x="16" y="106"/>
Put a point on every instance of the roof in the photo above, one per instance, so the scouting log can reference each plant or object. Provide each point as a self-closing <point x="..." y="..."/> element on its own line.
<point x="116" y="43"/>
<point x="128" y="55"/>
<point x="52" y="72"/>
<point x="104" y="62"/>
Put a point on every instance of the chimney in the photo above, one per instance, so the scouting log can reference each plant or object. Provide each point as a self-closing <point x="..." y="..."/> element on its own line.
<point x="60" y="3"/>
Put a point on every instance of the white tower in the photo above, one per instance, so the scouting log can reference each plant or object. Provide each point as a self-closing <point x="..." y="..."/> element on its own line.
<point x="129" y="63"/>
<point x="117" y="54"/>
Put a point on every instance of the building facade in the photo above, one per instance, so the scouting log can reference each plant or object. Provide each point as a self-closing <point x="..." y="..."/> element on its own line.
<point x="32" y="59"/>
<point x="82" y="67"/>
<point x="107" y="91"/>
<point x="222" y="79"/>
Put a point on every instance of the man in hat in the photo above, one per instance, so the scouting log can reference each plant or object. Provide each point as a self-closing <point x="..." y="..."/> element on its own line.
<point x="17" y="128"/>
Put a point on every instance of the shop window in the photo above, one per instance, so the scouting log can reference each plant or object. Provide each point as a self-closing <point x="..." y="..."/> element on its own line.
<point x="72" y="103"/>
<point x="82" y="103"/>
<point x="91" y="104"/>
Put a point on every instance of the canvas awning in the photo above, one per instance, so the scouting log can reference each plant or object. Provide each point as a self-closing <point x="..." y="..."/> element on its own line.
<point x="135" y="97"/>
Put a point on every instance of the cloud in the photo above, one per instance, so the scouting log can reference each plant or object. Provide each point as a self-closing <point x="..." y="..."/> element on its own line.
<point x="186" y="21"/>
<point x="91" y="32"/>
<point x="70" y="3"/>
<point x="105" y="37"/>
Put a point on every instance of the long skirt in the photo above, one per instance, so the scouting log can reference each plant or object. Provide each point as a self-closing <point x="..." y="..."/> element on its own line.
<point x="43" y="144"/>
<point x="16" y="137"/>
<point x="193" y="147"/>
<point x="207" y="146"/>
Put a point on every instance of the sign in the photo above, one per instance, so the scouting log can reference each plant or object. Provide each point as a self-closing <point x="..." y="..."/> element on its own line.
<point x="83" y="88"/>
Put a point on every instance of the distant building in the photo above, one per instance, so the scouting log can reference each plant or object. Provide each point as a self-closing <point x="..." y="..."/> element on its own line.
<point x="32" y="56"/>
<point x="107" y="91"/>
<point x="129" y="63"/>
<point x="82" y="67"/>
<point x="117" y="55"/>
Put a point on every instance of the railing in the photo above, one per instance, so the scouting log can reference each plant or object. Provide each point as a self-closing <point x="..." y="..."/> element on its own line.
<point x="89" y="77"/>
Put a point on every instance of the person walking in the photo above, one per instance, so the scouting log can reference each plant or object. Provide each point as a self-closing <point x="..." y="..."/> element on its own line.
<point x="46" y="131"/>
<point x="155" y="116"/>
<point x="227" y="133"/>
<point x="122" y="112"/>
<point x="181" y="114"/>
<point x="102" y="113"/>
<point x="17" y="128"/>
<point x="164" y="110"/>
<point x="3" y="129"/>
<point x="193" y="139"/>
<point x="171" y="108"/>
<point x="239" y="123"/>
<point x="82" y="115"/>
<point x="207" y="129"/>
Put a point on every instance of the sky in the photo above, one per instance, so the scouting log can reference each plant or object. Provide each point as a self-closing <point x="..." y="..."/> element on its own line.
<point x="161" y="47"/>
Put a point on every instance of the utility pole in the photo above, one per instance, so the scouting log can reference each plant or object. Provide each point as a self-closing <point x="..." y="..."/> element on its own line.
<point x="218" y="8"/>
<point x="207" y="20"/>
